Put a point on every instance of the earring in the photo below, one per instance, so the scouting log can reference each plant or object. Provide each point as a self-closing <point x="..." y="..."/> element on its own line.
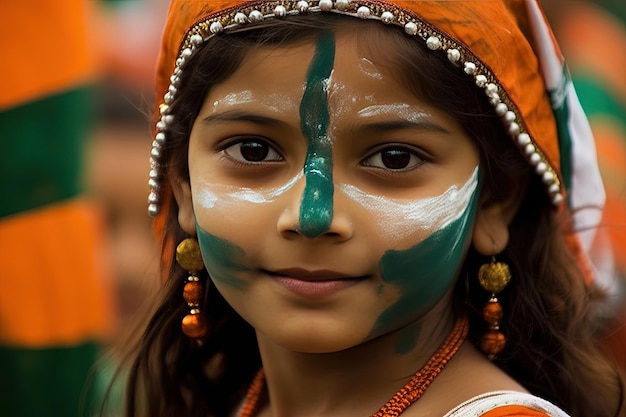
<point x="493" y="277"/>
<point x="189" y="258"/>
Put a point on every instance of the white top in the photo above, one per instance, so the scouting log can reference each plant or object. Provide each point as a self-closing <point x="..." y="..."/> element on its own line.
<point x="477" y="406"/>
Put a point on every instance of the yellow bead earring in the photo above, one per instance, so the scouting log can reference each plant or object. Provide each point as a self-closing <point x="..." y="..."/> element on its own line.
<point x="189" y="257"/>
<point x="493" y="277"/>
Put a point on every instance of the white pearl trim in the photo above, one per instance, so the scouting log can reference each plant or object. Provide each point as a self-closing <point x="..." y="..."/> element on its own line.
<point x="434" y="40"/>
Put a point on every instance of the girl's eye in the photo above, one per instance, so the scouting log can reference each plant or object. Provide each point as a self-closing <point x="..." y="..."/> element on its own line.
<point x="395" y="158"/>
<point x="252" y="151"/>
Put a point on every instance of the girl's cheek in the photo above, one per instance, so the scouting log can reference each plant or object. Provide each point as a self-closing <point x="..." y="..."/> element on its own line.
<point x="425" y="272"/>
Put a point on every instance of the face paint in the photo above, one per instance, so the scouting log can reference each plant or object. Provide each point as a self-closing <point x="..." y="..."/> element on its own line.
<point x="401" y="110"/>
<point x="368" y="68"/>
<point x="316" y="208"/>
<point x="223" y="260"/>
<point x="427" y="214"/>
<point x="234" y="99"/>
<point x="276" y="102"/>
<point x="222" y="196"/>
<point x="426" y="271"/>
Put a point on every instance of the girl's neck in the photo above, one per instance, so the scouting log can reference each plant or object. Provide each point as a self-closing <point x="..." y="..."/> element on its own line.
<point x="353" y="382"/>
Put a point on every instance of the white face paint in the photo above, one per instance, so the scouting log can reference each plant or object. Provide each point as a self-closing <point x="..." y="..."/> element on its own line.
<point x="427" y="214"/>
<point x="275" y="102"/>
<point x="222" y="196"/>
<point x="370" y="70"/>
<point x="401" y="110"/>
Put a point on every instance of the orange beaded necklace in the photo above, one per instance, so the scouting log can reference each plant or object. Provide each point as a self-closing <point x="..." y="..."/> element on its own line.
<point x="402" y="399"/>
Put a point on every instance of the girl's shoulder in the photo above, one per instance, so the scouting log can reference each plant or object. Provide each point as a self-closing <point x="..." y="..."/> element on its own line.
<point x="506" y="404"/>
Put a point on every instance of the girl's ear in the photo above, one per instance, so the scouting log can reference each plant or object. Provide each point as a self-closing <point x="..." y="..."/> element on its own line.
<point x="491" y="227"/>
<point x="186" y="218"/>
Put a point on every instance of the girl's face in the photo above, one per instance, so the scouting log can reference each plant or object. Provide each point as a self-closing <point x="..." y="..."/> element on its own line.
<point x="332" y="206"/>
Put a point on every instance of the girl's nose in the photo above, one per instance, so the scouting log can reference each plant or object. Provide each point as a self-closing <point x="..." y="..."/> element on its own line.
<point x="312" y="213"/>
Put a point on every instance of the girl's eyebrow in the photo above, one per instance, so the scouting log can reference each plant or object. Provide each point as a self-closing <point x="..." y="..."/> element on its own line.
<point x="243" y="116"/>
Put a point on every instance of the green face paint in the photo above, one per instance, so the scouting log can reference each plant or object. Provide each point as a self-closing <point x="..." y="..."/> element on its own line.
<point x="223" y="260"/>
<point x="423" y="274"/>
<point x="316" y="208"/>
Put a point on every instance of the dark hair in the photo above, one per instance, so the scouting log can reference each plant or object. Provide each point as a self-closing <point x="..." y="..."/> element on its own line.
<point x="551" y="348"/>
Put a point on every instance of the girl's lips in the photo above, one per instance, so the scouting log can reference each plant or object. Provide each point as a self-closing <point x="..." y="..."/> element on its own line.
<point x="322" y="283"/>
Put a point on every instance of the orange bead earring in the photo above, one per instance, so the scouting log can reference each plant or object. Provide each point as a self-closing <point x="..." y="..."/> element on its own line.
<point x="493" y="277"/>
<point x="189" y="257"/>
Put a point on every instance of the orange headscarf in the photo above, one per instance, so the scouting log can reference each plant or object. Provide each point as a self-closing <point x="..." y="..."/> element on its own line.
<point x="505" y="45"/>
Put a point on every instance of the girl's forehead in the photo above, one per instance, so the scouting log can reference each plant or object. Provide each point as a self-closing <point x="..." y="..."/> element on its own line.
<point x="274" y="70"/>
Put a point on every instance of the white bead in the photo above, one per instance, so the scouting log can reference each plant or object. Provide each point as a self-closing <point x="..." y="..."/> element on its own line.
<point x="153" y="174"/>
<point x="153" y="210"/>
<point x="168" y="118"/>
<point x="241" y="18"/>
<point x="160" y="137"/>
<point x="534" y="158"/>
<point x="186" y="53"/>
<point x="554" y="188"/>
<point x="174" y="79"/>
<point x="326" y="5"/>
<point x="529" y="149"/>
<point x="492" y="88"/>
<point x="152" y="183"/>
<point x="514" y="129"/>
<point x="172" y="89"/>
<point x="501" y="109"/>
<point x="509" y="116"/>
<point x="548" y="177"/>
<point x="302" y="6"/>
<point x="342" y="5"/>
<point x="363" y="12"/>
<point x="161" y="126"/>
<point x="387" y="17"/>
<point x="481" y="80"/>
<point x="155" y="152"/>
<point x="180" y="62"/>
<point x="280" y="11"/>
<point x="255" y="16"/>
<point x="153" y="197"/>
<point x="469" y="68"/>
<point x="177" y="70"/>
<point x="168" y="98"/>
<point x="153" y="163"/>
<point x="411" y="28"/>
<point x="196" y="40"/>
<point x="216" y="27"/>
<point x="454" y="55"/>
<point x="164" y="108"/>
<point x="523" y="139"/>
<point x="541" y="168"/>
<point x="433" y="43"/>
<point x="557" y="199"/>
<point x="494" y="99"/>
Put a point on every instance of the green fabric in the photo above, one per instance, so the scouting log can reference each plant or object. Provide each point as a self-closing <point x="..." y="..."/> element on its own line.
<point x="42" y="150"/>
<point x="560" y="107"/>
<point x="596" y="98"/>
<point x="52" y="382"/>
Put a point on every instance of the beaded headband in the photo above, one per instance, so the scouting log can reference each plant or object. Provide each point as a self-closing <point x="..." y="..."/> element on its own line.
<point x="249" y="13"/>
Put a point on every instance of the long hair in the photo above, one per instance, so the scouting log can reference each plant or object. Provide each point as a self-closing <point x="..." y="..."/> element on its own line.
<point x="551" y="346"/>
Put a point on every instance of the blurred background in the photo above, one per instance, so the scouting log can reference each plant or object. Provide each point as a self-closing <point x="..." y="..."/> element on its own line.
<point x="78" y="262"/>
<point x="77" y="256"/>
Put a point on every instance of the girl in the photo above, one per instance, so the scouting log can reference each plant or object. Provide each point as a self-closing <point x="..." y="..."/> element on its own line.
<point x="374" y="212"/>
